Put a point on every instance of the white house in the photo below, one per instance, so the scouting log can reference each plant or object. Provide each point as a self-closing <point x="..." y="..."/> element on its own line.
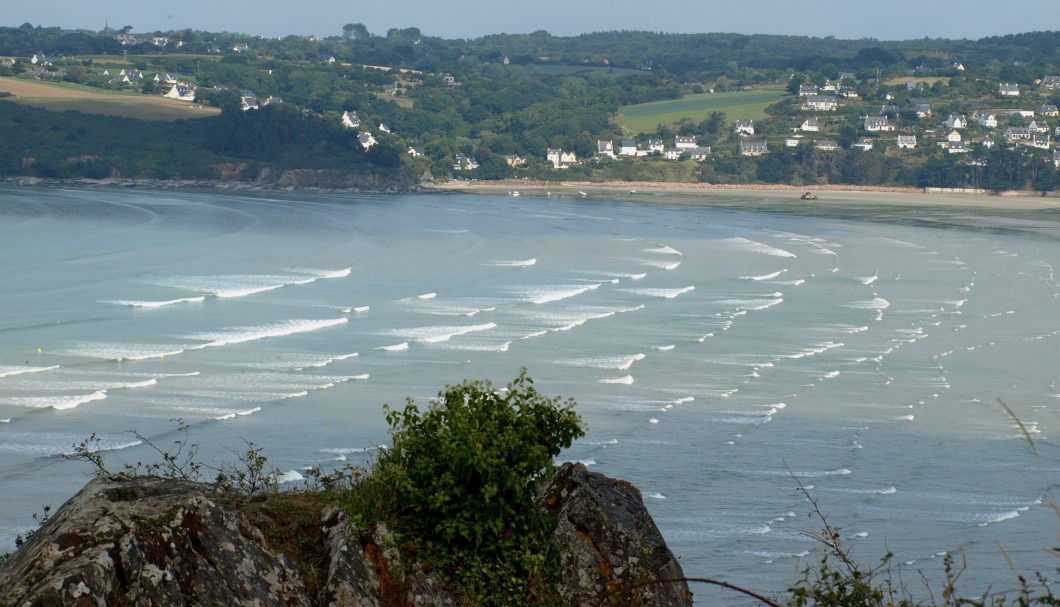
<point x="753" y="148"/>
<point x="1040" y="140"/>
<point x="805" y="90"/>
<point x="825" y="145"/>
<point x="1051" y="82"/>
<point x="957" y="122"/>
<point x="953" y="136"/>
<point x="182" y="92"/>
<point x="685" y="143"/>
<point x="1008" y="90"/>
<point x="416" y="152"/>
<point x="826" y="103"/>
<point x="655" y="145"/>
<point x="605" y="148"/>
<point x="627" y="147"/>
<point x="877" y="124"/>
<point x="1048" y="110"/>
<point x="957" y="147"/>
<point x="560" y="159"/>
<point x="351" y="120"/>
<point x="464" y="163"/>
<point x="907" y="142"/>
<point x="810" y="125"/>
<point x="864" y="146"/>
<point x="1056" y="158"/>
<point x="985" y="119"/>
<point x="701" y="153"/>
<point x="366" y="140"/>
<point x="672" y="154"/>
<point x="744" y="127"/>
<point x="1038" y="126"/>
<point x="1014" y="133"/>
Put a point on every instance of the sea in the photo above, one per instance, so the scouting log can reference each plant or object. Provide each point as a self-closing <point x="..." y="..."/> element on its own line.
<point x="757" y="366"/>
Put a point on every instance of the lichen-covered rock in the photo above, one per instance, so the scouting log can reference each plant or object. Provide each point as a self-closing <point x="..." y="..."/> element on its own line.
<point x="351" y="580"/>
<point x="148" y="541"/>
<point x="608" y="543"/>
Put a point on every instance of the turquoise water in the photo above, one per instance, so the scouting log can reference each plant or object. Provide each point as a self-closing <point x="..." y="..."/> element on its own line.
<point x="720" y="355"/>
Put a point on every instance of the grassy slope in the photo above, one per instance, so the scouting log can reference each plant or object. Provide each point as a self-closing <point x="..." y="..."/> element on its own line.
<point x="740" y="105"/>
<point x="64" y="96"/>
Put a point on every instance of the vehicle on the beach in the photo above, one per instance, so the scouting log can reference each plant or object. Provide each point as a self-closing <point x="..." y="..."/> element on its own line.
<point x="809" y="196"/>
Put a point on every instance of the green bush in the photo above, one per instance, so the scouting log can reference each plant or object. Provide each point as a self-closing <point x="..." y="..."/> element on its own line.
<point x="465" y="473"/>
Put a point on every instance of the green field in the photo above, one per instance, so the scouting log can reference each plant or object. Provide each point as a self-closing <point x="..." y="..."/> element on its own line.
<point x="64" y="96"/>
<point x="739" y="105"/>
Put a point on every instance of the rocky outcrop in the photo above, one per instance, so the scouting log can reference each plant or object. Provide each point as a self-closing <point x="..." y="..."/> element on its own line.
<point x="610" y="549"/>
<point x="147" y="541"/>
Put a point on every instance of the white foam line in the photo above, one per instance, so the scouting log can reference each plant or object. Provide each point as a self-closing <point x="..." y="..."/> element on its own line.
<point x="757" y="247"/>
<point x="245" y="334"/>
<point x="9" y="371"/>
<point x="155" y="304"/>
<point x="512" y="264"/>
<point x="58" y="403"/>
<point x="765" y="276"/>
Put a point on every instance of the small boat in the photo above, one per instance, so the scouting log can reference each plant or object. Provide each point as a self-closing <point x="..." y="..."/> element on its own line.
<point x="809" y="196"/>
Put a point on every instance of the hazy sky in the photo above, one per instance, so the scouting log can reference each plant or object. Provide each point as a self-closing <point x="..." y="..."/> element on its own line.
<point x="883" y="19"/>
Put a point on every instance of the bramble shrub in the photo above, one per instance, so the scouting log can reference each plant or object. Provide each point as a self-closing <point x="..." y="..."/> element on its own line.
<point x="465" y="473"/>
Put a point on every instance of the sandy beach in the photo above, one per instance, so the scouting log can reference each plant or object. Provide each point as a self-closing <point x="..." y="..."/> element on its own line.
<point x="728" y="194"/>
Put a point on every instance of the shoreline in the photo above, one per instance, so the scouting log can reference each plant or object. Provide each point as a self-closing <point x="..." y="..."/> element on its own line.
<point x="742" y="195"/>
<point x="702" y="193"/>
<point x="218" y="185"/>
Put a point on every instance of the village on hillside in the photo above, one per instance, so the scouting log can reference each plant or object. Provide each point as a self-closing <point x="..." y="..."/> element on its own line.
<point x="441" y="121"/>
<point x="894" y="124"/>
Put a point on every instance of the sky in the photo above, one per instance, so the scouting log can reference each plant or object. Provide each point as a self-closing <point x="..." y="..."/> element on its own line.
<point x="884" y="20"/>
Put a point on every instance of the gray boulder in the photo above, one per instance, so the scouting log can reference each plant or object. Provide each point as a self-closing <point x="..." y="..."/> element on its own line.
<point x="611" y="552"/>
<point x="148" y="541"/>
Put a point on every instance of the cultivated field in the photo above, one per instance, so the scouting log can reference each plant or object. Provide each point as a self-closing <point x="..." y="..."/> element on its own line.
<point x="61" y="97"/>
<point x="739" y="105"/>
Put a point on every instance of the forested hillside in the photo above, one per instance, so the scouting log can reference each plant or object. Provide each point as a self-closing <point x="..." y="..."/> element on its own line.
<point x="492" y="107"/>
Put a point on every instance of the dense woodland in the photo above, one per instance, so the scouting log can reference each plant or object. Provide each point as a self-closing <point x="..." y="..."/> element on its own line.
<point x="516" y="95"/>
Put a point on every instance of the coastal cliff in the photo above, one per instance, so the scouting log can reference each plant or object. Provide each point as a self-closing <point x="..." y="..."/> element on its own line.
<point x="153" y="541"/>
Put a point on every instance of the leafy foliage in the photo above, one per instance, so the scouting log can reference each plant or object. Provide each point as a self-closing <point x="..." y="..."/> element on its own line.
<point x="464" y="472"/>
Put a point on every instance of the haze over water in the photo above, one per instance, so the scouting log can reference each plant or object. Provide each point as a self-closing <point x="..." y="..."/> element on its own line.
<point x="716" y="354"/>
